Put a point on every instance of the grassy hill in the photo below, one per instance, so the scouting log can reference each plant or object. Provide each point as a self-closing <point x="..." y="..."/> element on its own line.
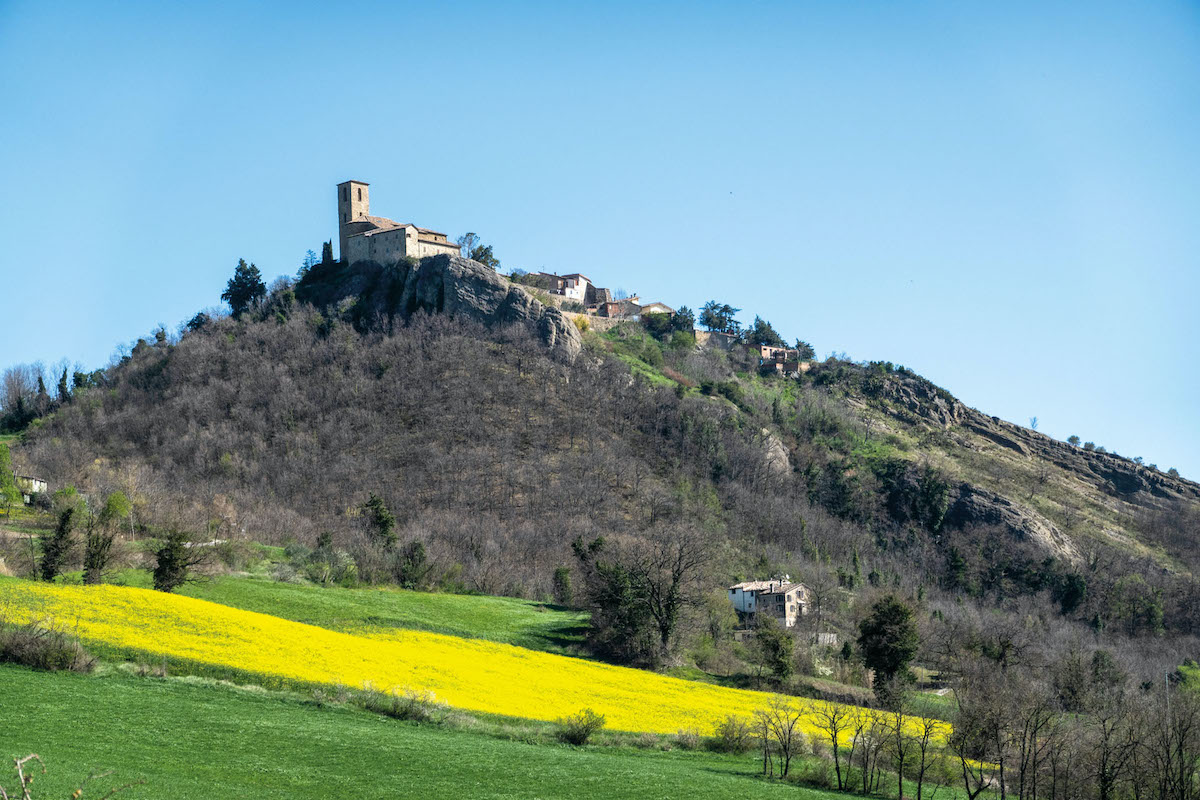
<point x="199" y="739"/>
<point x="200" y="637"/>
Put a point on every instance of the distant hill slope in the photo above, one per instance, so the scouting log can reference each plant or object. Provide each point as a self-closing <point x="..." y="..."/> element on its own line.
<point x="496" y="452"/>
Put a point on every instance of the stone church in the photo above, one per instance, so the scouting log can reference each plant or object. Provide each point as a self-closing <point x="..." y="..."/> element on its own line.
<point x="362" y="237"/>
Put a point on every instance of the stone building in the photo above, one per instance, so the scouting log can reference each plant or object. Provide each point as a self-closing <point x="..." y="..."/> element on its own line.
<point x="783" y="360"/>
<point x="779" y="598"/>
<point x="28" y="486"/>
<point x="362" y="237"/>
<point x="573" y="287"/>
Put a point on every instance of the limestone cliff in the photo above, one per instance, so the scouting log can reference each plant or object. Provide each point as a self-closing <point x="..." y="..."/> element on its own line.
<point x="443" y="284"/>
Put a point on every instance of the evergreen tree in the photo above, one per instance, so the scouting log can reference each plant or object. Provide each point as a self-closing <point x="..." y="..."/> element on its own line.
<point x="773" y="648"/>
<point x="244" y="289"/>
<point x="41" y="403"/>
<point x="483" y="254"/>
<point x="310" y="261"/>
<point x="684" y="320"/>
<point x="761" y="332"/>
<point x="563" y="595"/>
<point x="173" y="561"/>
<point x="327" y="253"/>
<point x="887" y="641"/>
<point x="380" y="520"/>
<point x="64" y="390"/>
<point x="57" y="546"/>
<point x="719" y="317"/>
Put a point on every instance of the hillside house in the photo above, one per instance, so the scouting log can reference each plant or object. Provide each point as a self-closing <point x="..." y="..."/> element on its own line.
<point x="657" y="308"/>
<point x="29" y="486"/>
<point x="780" y="598"/>
<point x="783" y="360"/>
<point x="628" y="308"/>
<point x="577" y="287"/>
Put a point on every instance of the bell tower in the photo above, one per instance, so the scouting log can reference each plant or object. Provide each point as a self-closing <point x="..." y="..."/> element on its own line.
<point x="354" y="204"/>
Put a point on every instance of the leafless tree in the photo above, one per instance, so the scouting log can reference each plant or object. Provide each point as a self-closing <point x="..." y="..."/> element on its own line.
<point x="929" y="729"/>
<point x="834" y="720"/>
<point x="780" y="723"/>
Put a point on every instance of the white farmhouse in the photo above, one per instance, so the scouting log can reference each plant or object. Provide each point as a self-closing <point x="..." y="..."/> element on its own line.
<point x="780" y="598"/>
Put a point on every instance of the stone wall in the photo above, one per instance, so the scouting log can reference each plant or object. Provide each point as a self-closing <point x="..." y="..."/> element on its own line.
<point x="723" y="341"/>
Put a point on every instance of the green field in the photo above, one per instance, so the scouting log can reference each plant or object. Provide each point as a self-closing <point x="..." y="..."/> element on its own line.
<point x="524" y="623"/>
<point x="198" y="739"/>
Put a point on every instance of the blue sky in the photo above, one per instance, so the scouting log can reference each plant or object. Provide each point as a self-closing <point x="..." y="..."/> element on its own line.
<point x="1004" y="197"/>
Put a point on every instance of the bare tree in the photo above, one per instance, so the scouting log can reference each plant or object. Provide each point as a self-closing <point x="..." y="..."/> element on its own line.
<point x="900" y="742"/>
<point x="780" y="722"/>
<point x="834" y="719"/>
<point x="928" y="729"/>
<point x="666" y="568"/>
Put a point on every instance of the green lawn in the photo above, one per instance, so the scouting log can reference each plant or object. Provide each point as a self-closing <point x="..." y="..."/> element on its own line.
<point x="500" y="619"/>
<point x="192" y="739"/>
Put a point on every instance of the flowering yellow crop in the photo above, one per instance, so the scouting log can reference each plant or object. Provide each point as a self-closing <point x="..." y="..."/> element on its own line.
<point x="469" y="674"/>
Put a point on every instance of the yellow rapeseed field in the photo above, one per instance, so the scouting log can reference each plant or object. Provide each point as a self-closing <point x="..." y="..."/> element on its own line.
<point x="468" y="674"/>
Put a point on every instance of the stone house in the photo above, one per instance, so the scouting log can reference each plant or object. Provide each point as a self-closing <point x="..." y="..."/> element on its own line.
<point x="629" y="308"/>
<point x="780" y="598"/>
<point x="362" y="237"/>
<point x="29" y="486"/>
<point x="783" y="360"/>
<point x="573" y="287"/>
<point x="658" y="308"/>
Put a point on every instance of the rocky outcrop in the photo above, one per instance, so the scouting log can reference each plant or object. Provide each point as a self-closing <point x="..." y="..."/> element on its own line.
<point x="922" y="399"/>
<point x="775" y="455"/>
<point x="461" y="287"/>
<point x="971" y="506"/>
<point x="914" y="399"/>
<point x="1111" y="474"/>
<point x="442" y="284"/>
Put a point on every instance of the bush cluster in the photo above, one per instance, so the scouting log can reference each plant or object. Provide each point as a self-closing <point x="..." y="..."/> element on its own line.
<point x="45" y="647"/>
<point x="576" y="729"/>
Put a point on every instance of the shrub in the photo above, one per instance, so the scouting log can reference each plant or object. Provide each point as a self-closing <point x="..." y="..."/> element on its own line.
<point x="582" y="324"/>
<point x="682" y="340"/>
<point x="652" y="354"/>
<point x="563" y="592"/>
<point x="687" y="739"/>
<point x="410" y="705"/>
<point x="329" y="566"/>
<point x="817" y="773"/>
<point x="733" y="735"/>
<point x="576" y="729"/>
<point x="45" y="647"/>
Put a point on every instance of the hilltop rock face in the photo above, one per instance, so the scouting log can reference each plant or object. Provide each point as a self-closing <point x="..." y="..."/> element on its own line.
<point x="1115" y="476"/>
<point x="971" y="505"/>
<point x="913" y="397"/>
<point x="442" y="284"/>
<point x="461" y="287"/>
<point x="924" y="400"/>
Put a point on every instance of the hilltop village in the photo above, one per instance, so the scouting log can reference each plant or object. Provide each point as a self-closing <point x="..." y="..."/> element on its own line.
<point x="363" y="237"/>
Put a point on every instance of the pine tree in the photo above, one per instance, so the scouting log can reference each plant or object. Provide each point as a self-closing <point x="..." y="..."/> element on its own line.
<point x="245" y="288"/>
<point x="57" y="546"/>
<point x="64" y="390"/>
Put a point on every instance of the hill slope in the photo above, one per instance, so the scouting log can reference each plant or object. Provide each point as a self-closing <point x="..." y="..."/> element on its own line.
<point x="185" y="738"/>
<point x="496" y="453"/>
